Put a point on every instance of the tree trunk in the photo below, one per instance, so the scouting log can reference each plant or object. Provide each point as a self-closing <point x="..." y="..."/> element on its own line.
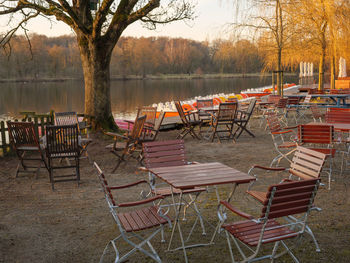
<point x="279" y="73"/>
<point x="321" y="70"/>
<point x="333" y="72"/>
<point x="96" y="68"/>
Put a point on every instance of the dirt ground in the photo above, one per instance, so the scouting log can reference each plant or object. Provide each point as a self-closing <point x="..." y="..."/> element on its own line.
<point x="73" y="224"/>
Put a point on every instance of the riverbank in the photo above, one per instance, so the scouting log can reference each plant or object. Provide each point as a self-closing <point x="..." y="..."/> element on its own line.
<point x="150" y="77"/>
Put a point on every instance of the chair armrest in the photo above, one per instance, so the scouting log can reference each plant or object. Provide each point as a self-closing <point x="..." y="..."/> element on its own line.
<point x="193" y="163"/>
<point x="143" y="169"/>
<point x="145" y="201"/>
<point x="282" y="132"/>
<point x="236" y="210"/>
<point x="290" y="127"/>
<point x="269" y="168"/>
<point x="115" y="135"/>
<point x="128" y="185"/>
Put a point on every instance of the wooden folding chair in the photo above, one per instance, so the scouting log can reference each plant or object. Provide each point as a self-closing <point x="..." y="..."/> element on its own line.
<point x="316" y="113"/>
<point x="63" y="142"/>
<point x="26" y="144"/>
<point x="151" y="113"/>
<point x="273" y="225"/>
<point x="189" y="120"/>
<point x="306" y="164"/>
<point x="150" y="134"/>
<point x="71" y="118"/>
<point x="243" y="120"/>
<point x="125" y="145"/>
<point x="319" y="138"/>
<point x="138" y="221"/>
<point x="223" y="121"/>
<point x="169" y="153"/>
<point x="284" y="146"/>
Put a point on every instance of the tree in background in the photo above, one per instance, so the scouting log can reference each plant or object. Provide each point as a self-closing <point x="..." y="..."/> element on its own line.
<point x="97" y="29"/>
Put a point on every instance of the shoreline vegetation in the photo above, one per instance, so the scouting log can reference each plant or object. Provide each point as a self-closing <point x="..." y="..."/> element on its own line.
<point x="150" y="77"/>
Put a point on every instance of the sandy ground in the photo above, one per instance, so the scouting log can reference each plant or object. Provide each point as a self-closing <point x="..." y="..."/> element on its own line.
<point x="73" y="224"/>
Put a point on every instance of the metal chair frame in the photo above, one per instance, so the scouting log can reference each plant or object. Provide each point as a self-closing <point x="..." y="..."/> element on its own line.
<point x="25" y="143"/>
<point x="278" y="133"/>
<point x="147" y="218"/>
<point x="281" y="201"/>
<point x="63" y="142"/>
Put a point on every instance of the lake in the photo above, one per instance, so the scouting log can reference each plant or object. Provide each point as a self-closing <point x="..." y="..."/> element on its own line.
<point x="126" y="96"/>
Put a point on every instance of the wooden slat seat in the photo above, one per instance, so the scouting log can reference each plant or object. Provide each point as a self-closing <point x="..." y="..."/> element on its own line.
<point x="141" y="219"/>
<point x="249" y="232"/>
<point x="337" y="115"/>
<point x="258" y="195"/>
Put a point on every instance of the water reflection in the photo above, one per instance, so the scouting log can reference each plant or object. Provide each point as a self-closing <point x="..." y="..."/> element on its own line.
<point x="126" y="96"/>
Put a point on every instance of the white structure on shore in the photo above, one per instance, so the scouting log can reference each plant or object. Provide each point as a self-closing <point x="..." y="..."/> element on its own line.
<point x="342" y="68"/>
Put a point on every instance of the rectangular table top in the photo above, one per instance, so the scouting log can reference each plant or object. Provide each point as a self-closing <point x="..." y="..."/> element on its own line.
<point x="337" y="126"/>
<point x="203" y="174"/>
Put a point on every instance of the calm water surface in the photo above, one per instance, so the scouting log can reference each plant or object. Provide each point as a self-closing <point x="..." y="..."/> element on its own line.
<point x="126" y="96"/>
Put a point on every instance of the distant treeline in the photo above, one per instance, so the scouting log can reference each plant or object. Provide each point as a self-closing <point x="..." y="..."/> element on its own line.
<point x="58" y="57"/>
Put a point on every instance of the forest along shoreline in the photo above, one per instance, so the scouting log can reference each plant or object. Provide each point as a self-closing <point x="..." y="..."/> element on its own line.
<point x="151" y="77"/>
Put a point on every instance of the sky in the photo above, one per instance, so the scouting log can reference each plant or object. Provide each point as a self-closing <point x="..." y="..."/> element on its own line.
<point x="209" y="24"/>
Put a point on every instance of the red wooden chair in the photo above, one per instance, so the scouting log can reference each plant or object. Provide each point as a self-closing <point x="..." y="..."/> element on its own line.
<point x="283" y="145"/>
<point x="167" y="154"/>
<point x="319" y="138"/>
<point x="281" y="201"/>
<point x="306" y="164"/>
<point x="137" y="221"/>
<point x="25" y="142"/>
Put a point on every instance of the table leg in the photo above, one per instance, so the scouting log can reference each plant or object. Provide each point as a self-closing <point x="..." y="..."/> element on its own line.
<point x="177" y="223"/>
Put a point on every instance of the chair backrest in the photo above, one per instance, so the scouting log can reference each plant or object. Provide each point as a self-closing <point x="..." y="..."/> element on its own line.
<point x="227" y="111"/>
<point x="66" y="118"/>
<point x="289" y="198"/>
<point x="105" y="186"/>
<point x="232" y="99"/>
<point x="307" y="163"/>
<point x="150" y="112"/>
<point x="316" y="133"/>
<point x="62" y="139"/>
<point x="337" y="115"/>
<point x="137" y="128"/>
<point x="273" y="98"/>
<point x="282" y="103"/>
<point x="22" y="134"/>
<point x="181" y="113"/>
<point x="293" y="101"/>
<point x="273" y="122"/>
<point x="159" y="120"/>
<point x="164" y="153"/>
<point x="204" y="103"/>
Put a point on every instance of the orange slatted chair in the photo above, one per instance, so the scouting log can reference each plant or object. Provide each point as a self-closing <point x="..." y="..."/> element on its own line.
<point x="281" y="201"/>
<point x="138" y="221"/>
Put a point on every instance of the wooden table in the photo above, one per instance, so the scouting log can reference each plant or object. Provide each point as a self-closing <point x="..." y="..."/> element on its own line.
<point x="205" y="174"/>
<point x="338" y="99"/>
